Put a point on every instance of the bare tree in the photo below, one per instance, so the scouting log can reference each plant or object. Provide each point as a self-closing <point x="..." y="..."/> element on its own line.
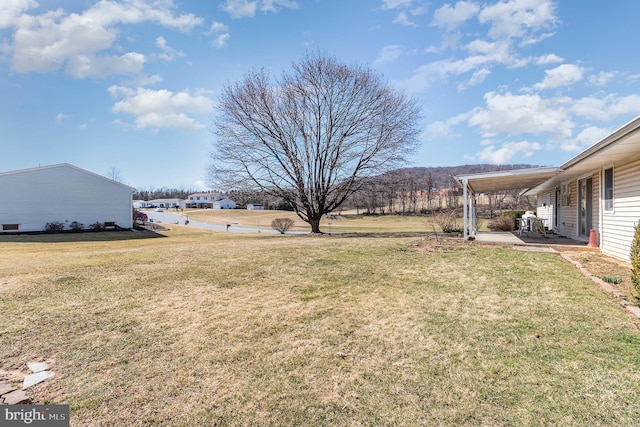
<point x="311" y="136"/>
<point x="115" y="174"/>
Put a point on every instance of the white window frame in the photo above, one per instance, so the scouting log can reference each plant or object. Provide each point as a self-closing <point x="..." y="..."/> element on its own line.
<point x="565" y="194"/>
<point x="608" y="203"/>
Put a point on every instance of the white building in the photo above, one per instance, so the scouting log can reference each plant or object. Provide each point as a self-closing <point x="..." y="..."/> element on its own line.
<point x="255" y="207"/>
<point x="209" y="201"/>
<point x="63" y="193"/>
<point x="224" y="204"/>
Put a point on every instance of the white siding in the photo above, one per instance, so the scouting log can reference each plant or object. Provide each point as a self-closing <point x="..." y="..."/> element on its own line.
<point x="618" y="226"/>
<point x="568" y="215"/>
<point x="65" y="194"/>
<point x="544" y="209"/>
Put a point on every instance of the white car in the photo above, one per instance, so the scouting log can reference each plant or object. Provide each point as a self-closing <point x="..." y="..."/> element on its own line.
<point x="159" y="210"/>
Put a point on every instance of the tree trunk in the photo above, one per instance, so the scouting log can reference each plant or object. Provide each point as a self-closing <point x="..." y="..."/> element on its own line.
<point x="315" y="225"/>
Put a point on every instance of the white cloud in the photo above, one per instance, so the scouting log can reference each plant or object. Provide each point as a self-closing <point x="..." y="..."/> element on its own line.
<point x="393" y="4"/>
<point x="247" y="8"/>
<point x="507" y="151"/>
<point x="548" y="59"/>
<point x="517" y="114"/>
<point x="221" y="40"/>
<point x="156" y="109"/>
<point x="477" y="78"/>
<point x="602" y="78"/>
<point x="451" y="18"/>
<point x="587" y="137"/>
<point x="606" y="108"/>
<point x="10" y="10"/>
<point x="389" y="54"/>
<point x="169" y="53"/>
<point x="221" y="32"/>
<point x="77" y="42"/>
<point x="518" y="18"/>
<point x="61" y="117"/>
<point x="81" y="66"/>
<point x="403" y="19"/>
<point x="562" y="75"/>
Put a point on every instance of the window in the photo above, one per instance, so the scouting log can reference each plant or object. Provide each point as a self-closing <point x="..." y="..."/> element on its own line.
<point x="607" y="189"/>
<point x="10" y="227"/>
<point x="565" y="194"/>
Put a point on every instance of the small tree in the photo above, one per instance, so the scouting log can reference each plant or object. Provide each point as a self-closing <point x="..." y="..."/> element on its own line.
<point x="635" y="261"/>
<point x="282" y="224"/>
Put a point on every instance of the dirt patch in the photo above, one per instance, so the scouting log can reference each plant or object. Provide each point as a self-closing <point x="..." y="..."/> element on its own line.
<point x="434" y="242"/>
<point x="603" y="267"/>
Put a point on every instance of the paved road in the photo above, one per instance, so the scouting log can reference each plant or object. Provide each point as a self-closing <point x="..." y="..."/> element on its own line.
<point x="168" y="217"/>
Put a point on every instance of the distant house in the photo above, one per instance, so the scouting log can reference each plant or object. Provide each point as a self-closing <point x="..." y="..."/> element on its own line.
<point x="224" y="203"/>
<point x="209" y="201"/>
<point x="596" y="193"/>
<point x="62" y="193"/>
<point x="255" y="207"/>
<point x="161" y="203"/>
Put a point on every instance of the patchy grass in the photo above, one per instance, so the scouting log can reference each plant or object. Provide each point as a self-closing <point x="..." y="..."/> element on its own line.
<point x="350" y="222"/>
<point x="205" y="328"/>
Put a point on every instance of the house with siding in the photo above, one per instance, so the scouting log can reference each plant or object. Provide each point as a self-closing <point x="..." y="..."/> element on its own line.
<point x="596" y="194"/>
<point x="62" y="193"/>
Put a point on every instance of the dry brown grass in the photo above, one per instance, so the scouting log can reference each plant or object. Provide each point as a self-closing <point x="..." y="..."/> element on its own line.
<point x="205" y="328"/>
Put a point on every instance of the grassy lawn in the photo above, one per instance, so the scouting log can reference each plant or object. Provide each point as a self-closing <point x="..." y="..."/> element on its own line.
<point x="206" y="328"/>
<point x="348" y="222"/>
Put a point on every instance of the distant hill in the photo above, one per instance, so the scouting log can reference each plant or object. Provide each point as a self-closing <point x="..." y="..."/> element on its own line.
<point x="442" y="176"/>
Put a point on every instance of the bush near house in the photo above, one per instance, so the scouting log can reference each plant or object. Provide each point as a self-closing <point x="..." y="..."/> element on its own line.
<point x="635" y="261"/>
<point x="502" y="223"/>
<point x="54" y="226"/>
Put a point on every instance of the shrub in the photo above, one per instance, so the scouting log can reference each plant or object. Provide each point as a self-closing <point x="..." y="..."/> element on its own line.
<point x="282" y="224"/>
<point x="54" y="226"/>
<point x="76" y="226"/>
<point x="502" y="223"/>
<point x="97" y="226"/>
<point x="635" y="261"/>
<point x="448" y="222"/>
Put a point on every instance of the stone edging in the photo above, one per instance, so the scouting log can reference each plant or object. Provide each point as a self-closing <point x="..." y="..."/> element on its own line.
<point x="604" y="286"/>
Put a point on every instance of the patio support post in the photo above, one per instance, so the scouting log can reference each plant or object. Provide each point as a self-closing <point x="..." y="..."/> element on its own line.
<point x="465" y="203"/>
<point x="472" y="214"/>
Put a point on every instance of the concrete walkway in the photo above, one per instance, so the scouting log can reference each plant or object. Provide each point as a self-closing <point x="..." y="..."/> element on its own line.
<point x="531" y="240"/>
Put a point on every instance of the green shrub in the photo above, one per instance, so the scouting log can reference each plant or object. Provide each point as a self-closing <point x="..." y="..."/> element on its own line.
<point x="635" y="261"/>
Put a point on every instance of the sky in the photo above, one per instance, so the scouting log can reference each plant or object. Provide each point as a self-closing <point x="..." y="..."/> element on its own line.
<point x="128" y="88"/>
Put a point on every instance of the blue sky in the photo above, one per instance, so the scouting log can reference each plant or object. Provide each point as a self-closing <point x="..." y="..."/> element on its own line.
<point x="132" y="84"/>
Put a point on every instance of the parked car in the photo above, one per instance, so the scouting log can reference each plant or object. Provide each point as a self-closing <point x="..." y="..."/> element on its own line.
<point x="159" y="210"/>
<point x="140" y="216"/>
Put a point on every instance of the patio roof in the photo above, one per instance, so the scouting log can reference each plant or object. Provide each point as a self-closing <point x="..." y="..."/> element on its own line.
<point x="514" y="179"/>
<point x="620" y="146"/>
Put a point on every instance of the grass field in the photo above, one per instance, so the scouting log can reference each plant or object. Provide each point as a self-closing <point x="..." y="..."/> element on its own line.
<point x="203" y="328"/>
<point x="348" y="221"/>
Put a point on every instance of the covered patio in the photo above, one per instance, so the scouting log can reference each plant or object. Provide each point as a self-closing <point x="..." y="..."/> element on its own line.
<point x="515" y="179"/>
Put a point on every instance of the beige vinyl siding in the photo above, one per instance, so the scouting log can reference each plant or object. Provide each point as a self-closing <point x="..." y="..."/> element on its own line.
<point x="618" y="226"/>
